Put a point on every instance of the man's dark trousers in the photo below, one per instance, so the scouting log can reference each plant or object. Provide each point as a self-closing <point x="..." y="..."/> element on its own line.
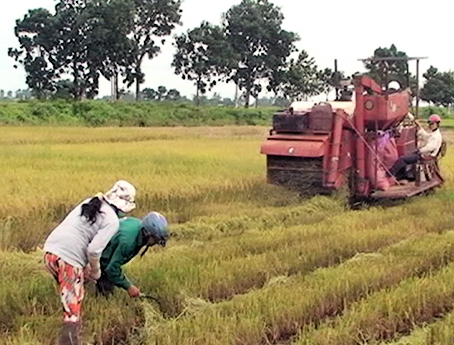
<point x="402" y="162"/>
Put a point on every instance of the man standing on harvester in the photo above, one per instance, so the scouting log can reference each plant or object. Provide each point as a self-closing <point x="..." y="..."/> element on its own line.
<point x="133" y="235"/>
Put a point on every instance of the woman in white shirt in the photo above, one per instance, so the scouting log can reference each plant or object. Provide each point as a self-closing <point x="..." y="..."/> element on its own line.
<point x="74" y="247"/>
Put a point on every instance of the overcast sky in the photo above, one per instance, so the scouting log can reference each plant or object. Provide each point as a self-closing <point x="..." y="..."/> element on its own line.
<point x="329" y="29"/>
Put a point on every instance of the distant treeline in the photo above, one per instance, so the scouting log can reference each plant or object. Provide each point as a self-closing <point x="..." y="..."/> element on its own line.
<point x="142" y="114"/>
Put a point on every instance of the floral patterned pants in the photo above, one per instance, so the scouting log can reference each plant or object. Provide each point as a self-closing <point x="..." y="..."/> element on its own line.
<point x="71" y="283"/>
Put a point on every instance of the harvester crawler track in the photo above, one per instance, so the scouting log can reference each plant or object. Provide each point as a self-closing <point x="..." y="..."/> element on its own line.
<point x="301" y="174"/>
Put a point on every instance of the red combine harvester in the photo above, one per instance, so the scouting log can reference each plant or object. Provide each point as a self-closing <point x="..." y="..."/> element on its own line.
<point x="350" y="143"/>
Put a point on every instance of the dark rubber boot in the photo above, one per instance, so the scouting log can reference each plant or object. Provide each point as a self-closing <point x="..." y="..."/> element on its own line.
<point x="70" y="333"/>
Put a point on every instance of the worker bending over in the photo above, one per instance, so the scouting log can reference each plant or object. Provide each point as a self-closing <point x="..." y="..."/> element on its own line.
<point x="74" y="247"/>
<point x="133" y="235"/>
<point x="433" y="141"/>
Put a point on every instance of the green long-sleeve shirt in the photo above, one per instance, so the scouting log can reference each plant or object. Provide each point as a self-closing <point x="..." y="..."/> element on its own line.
<point x="121" y="249"/>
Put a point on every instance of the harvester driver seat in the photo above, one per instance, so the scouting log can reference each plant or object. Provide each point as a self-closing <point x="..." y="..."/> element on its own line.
<point x="427" y="166"/>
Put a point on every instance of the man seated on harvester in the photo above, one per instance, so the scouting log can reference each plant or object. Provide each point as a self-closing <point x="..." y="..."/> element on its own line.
<point x="433" y="141"/>
<point x="132" y="236"/>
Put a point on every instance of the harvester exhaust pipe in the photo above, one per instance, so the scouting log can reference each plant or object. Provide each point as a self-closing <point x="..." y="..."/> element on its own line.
<point x="335" y="76"/>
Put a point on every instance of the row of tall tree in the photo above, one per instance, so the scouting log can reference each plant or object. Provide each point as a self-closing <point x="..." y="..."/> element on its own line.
<point x="85" y="39"/>
<point x="67" y="51"/>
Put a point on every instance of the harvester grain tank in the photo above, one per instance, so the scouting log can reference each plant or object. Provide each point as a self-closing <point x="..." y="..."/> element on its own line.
<point x="351" y="142"/>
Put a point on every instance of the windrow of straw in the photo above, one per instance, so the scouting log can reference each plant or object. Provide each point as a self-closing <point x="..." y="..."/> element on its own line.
<point x="389" y="313"/>
<point x="278" y="312"/>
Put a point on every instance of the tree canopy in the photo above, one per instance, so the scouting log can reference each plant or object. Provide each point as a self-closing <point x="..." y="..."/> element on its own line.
<point x="65" y="53"/>
<point x="438" y="88"/>
<point x="202" y="55"/>
<point x="89" y="39"/>
<point x="152" y="21"/>
<point x="299" y="79"/>
<point x="396" y="70"/>
<point x="254" y="31"/>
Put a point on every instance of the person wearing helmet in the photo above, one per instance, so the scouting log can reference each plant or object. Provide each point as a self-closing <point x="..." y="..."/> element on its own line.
<point x="73" y="249"/>
<point x="133" y="235"/>
<point x="433" y="141"/>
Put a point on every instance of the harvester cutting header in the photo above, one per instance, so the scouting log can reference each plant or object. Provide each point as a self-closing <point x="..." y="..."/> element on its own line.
<point x="352" y="142"/>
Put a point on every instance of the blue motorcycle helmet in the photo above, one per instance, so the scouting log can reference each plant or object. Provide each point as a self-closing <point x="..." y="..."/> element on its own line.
<point x="155" y="225"/>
